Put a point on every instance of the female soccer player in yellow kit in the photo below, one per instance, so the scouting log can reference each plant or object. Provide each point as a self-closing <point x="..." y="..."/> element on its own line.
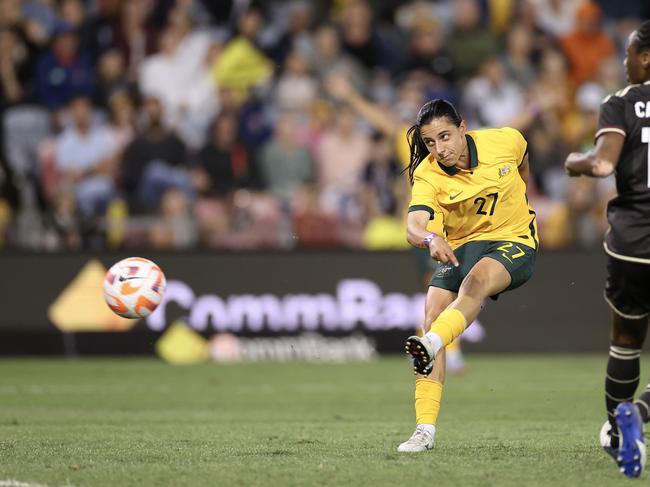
<point x="475" y="181"/>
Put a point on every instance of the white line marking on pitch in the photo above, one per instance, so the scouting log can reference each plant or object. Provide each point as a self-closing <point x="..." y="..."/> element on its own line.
<point x="18" y="483"/>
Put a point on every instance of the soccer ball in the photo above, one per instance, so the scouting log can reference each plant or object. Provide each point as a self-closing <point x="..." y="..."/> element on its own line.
<point x="134" y="287"/>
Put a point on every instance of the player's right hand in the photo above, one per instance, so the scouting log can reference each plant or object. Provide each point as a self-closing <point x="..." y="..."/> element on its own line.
<point x="441" y="251"/>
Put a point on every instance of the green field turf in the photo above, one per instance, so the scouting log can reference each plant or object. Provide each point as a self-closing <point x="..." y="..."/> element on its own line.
<point x="510" y="421"/>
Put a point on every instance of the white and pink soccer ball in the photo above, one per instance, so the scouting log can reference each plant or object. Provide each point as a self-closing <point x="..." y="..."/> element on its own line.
<point x="134" y="287"/>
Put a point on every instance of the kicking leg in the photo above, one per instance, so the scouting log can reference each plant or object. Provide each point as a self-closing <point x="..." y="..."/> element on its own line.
<point x="437" y="301"/>
<point x="487" y="278"/>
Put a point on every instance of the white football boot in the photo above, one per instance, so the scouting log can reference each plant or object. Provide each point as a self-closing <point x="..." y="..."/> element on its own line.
<point x="420" y="440"/>
<point x="422" y="350"/>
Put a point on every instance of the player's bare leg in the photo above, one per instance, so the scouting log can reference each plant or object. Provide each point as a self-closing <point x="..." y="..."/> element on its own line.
<point x="487" y="278"/>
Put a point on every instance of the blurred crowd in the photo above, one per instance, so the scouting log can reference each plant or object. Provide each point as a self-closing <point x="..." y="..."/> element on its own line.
<point x="181" y="124"/>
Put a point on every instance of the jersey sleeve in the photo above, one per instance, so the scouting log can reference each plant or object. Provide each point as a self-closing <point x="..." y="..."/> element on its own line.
<point x="612" y="116"/>
<point x="423" y="196"/>
<point x="518" y="144"/>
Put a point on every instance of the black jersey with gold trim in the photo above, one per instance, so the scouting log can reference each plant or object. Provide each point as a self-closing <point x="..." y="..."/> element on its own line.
<point x="627" y="112"/>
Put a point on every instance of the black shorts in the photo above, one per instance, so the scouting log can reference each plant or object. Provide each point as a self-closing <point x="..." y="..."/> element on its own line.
<point x="627" y="289"/>
<point x="518" y="259"/>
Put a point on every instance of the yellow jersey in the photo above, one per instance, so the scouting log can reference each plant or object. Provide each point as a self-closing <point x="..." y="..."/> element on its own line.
<point x="485" y="202"/>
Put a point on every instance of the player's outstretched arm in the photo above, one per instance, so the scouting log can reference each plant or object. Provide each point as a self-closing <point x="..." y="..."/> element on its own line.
<point x="599" y="162"/>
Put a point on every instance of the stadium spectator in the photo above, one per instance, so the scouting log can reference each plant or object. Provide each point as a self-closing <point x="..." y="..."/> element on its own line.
<point x="383" y="233"/>
<point x="183" y="60"/>
<point x="101" y="24"/>
<point x="245" y="220"/>
<point x="427" y="51"/>
<point x="64" y="71"/>
<point x="313" y="227"/>
<point x="416" y="12"/>
<point x="518" y="55"/>
<point x="391" y="123"/>
<point x="383" y="192"/>
<point x="341" y="155"/>
<point x="254" y="118"/>
<point x="224" y="164"/>
<point x="133" y="38"/>
<point x="194" y="57"/>
<point x="630" y="10"/>
<point x="85" y="159"/>
<point x="587" y="44"/>
<point x="75" y="14"/>
<point x="556" y="17"/>
<point x="297" y="36"/>
<point x="361" y="38"/>
<point x="551" y="111"/>
<point x="24" y="128"/>
<point x="175" y="228"/>
<point x="43" y="13"/>
<point x="242" y="64"/>
<point x="296" y="88"/>
<point x="328" y="58"/>
<point x="121" y="111"/>
<point x="285" y="163"/>
<point x="610" y="76"/>
<point x="196" y="10"/>
<point x="64" y="219"/>
<point x="72" y="12"/>
<point x="111" y="77"/>
<point x="491" y="99"/>
<point x="470" y="43"/>
<point x="382" y="181"/>
<point x="16" y="71"/>
<point x="155" y="161"/>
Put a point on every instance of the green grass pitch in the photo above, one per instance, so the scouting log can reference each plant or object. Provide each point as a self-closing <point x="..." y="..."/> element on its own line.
<point x="510" y="421"/>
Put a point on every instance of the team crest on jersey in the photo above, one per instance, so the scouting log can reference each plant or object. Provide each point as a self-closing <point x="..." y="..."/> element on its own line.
<point x="444" y="270"/>
<point x="503" y="171"/>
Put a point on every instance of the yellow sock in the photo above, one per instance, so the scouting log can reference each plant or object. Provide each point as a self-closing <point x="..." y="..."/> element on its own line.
<point x="427" y="400"/>
<point x="453" y="346"/>
<point x="449" y="325"/>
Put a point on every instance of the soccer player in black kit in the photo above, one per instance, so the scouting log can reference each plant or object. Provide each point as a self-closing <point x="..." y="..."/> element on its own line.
<point x="622" y="147"/>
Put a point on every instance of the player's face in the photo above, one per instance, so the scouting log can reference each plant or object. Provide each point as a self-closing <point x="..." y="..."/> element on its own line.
<point x="445" y="141"/>
<point x="637" y="64"/>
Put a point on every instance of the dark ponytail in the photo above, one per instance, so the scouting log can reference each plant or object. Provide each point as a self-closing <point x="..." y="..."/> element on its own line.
<point x="437" y="108"/>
